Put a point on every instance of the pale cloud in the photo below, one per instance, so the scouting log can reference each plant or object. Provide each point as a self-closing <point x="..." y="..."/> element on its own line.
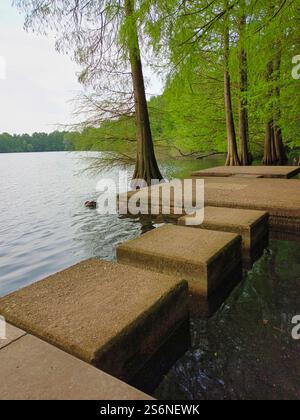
<point x="38" y="84"/>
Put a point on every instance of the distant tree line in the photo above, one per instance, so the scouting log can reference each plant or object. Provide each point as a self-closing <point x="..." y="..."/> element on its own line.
<point x="37" y="142"/>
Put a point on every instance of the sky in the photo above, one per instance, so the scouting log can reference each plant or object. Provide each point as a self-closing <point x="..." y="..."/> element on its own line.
<point x="37" y="84"/>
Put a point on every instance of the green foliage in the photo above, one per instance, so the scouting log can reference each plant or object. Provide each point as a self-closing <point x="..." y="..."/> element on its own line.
<point x="112" y="136"/>
<point x="184" y="41"/>
<point x="37" y="142"/>
<point x="186" y="38"/>
<point x="267" y="38"/>
<point x="190" y="35"/>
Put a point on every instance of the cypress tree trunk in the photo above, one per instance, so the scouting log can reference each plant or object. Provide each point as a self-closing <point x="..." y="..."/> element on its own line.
<point x="270" y="156"/>
<point x="279" y="146"/>
<point x="278" y="138"/>
<point x="232" y="155"/>
<point x="270" y="149"/>
<point x="273" y="146"/>
<point x="243" y="87"/>
<point x="274" y="152"/>
<point x="146" y="164"/>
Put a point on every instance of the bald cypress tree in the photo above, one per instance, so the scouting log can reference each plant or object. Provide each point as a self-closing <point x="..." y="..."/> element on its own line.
<point x="146" y="167"/>
<point x="102" y="36"/>
<point x="232" y="153"/>
<point x="243" y="87"/>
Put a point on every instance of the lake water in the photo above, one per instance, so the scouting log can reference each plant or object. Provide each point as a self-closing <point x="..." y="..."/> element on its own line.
<point x="244" y="351"/>
<point x="44" y="225"/>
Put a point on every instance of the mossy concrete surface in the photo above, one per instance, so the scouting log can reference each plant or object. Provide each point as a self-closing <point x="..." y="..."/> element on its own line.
<point x="111" y="316"/>
<point x="206" y="259"/>
<point x="34" y="370"/>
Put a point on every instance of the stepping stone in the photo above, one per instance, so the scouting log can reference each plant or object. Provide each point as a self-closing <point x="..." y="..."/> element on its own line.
<point x="108" y="315"/>
<point x="34" y="370"/>
<point x="206" y="259"/>
<point x="263" y="171"/>
<point x="252" y="225"/>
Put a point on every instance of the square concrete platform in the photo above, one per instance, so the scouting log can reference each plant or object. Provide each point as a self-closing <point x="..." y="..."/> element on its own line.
<point x="261" y="171"/>
<point x="34" y="370"/>
<point x="252" y="225"/>
<point x="108" y="315"/>
<point x="206" y="259"/>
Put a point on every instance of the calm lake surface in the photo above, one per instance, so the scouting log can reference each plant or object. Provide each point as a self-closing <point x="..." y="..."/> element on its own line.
<point x="244" y="351"/>
<point x="44" y="225"/>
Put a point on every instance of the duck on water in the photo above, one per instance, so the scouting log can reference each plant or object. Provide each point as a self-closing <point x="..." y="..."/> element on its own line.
<point x="91" y="204"/>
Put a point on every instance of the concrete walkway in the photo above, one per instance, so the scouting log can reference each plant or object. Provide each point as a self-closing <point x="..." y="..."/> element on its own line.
<point x="34" y="370"/>
<point x="278" y="197"/>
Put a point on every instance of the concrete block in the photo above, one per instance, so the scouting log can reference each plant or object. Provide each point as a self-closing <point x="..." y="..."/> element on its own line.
<point x="108" y="315"/>
<point x="206" y="259"/>
<point x="252" y="225"/>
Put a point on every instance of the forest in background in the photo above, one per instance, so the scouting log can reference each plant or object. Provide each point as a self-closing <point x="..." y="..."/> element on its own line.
<point x="37" y="142"/>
